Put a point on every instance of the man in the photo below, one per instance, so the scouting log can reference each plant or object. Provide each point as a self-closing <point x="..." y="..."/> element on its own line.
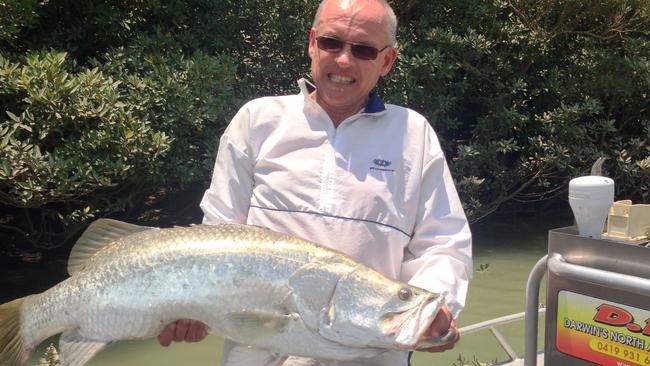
<point x="336" y="166"/>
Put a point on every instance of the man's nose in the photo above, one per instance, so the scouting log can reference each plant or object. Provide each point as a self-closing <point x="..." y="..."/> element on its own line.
<point x="344" y="57"/>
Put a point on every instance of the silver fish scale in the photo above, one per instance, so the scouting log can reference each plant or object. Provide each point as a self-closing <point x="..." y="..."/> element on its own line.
<point x="132" y="288"/>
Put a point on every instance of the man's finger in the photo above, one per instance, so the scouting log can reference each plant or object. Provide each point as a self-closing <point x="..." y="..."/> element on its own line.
<point x="191" y="332"/>
<point x="181" y="330"/>
<point x="204" y="332"/>
<point x="201" y="331"/>
<point x="196" y="332"/>
<point x="165" y="338"/>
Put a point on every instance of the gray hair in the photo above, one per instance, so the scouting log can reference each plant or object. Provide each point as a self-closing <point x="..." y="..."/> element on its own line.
<point x="392" y="20"/>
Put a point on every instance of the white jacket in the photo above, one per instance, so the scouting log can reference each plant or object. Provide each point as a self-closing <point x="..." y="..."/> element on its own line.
<point x="376" y="188"/>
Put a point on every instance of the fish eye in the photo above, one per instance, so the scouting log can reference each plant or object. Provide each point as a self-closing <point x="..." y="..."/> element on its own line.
<point x="405" y="294"/>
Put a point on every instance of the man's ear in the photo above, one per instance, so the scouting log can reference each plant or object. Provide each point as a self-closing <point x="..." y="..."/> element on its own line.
<point x="312" y="42"/>
<point x="388" y="60"/>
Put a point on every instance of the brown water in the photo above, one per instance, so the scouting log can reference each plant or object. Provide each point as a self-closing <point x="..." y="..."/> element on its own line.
<point x="509" y="250"/>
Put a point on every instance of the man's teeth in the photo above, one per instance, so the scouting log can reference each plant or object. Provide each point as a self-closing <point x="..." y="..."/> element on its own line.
<point x="341" y="79"/>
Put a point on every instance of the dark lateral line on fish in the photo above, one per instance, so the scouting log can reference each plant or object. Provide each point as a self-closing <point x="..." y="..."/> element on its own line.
<point x="335" y="217"/>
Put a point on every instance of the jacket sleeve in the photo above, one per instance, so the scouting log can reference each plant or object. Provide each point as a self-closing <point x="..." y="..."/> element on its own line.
<point x="439" y="256"/>
<point x="227" y="200"/>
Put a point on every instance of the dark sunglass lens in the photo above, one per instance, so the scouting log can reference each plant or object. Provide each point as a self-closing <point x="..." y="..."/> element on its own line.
<point x="364" y="52"/>
<point x="329" y="44"/>
<point x="359" y="51"/>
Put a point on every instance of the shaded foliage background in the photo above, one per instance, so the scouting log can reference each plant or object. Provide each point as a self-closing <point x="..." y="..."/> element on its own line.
<point x="114" y="108"/>
<point x="527" y="94"/>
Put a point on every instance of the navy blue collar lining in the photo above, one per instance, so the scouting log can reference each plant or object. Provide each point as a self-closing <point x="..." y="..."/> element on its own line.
<point x="375" y="104"/>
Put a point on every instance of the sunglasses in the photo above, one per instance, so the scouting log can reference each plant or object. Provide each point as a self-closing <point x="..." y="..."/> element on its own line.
<point x="360" y="51"/>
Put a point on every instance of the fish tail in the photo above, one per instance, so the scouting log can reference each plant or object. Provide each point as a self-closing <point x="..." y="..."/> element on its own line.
<point x="12" y="349"/>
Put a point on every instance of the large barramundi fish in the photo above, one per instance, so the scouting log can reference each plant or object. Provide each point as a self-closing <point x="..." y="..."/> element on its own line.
<point x="276" y="293"/>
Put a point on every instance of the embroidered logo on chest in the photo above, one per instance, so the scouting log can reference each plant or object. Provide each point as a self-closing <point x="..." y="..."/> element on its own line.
<point x="382" y="165"/>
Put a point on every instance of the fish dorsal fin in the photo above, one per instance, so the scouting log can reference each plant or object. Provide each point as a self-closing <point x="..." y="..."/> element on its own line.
<point x="75" y="350"/>
<point x="99" y="234"/>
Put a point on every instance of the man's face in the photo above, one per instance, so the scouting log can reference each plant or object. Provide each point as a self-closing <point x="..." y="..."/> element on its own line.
<point x="342" y="80"/>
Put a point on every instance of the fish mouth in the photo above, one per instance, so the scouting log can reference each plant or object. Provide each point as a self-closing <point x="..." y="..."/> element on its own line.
<point x="408" y="327"/>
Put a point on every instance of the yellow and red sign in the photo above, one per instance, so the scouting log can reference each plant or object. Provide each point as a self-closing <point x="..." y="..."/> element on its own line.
<point x="602" y="332"/>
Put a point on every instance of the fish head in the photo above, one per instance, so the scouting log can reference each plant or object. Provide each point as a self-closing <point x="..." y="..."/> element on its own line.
<point x="370" y="310"/>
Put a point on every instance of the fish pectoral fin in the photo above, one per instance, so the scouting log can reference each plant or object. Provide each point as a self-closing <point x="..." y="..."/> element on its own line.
<point x="99" y="234"/>
<point x="256" y="324"/>
<point x="241" y="355"/>
<point x="75" y="350"/>
<point x="313" y="286"/>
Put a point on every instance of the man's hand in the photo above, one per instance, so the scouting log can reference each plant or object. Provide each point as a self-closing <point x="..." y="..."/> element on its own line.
<point x="183" y="330"/>
<point x="443" y="323"/>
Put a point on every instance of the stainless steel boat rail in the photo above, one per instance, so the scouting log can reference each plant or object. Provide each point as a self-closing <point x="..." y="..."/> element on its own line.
<point x="491" y="326"/>
<point x="556" y="264"/>
<point x="531" y="317"/>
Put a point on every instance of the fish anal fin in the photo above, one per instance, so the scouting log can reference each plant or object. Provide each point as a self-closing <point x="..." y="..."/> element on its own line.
<point x="99" y="234"/>
<point x="241" y="355"/>
<point x="75" y="350"/>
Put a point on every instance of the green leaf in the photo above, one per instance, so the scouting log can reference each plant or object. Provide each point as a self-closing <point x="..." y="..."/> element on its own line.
<point x="13" y="116"/>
